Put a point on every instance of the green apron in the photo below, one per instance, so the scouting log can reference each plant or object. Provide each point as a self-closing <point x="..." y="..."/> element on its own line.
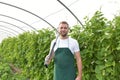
<point x="64" y="68"/>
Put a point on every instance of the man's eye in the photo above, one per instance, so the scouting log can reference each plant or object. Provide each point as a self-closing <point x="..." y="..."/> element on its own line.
<point x="61" y="28"/>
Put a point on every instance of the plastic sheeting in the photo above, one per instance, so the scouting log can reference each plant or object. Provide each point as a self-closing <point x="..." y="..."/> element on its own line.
<point x="18" y="16"/>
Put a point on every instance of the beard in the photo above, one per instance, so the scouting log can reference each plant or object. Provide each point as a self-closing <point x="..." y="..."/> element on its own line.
<point x="64" y="35"/>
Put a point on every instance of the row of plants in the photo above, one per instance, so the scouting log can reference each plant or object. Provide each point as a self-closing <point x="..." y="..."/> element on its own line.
<point x="26" y="52"/>
<point x="22" y="57"/>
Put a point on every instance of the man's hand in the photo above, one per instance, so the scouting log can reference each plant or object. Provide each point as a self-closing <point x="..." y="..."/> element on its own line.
<point x="47" y="60"/>
<point x="78" y="78"/>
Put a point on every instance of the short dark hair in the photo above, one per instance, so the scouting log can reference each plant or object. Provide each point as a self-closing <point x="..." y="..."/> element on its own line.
<point x="64" y="22"/>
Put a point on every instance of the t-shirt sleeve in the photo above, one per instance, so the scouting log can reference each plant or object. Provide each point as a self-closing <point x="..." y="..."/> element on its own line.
<point x="76" y="46"/>
<point x="51" y="45"/>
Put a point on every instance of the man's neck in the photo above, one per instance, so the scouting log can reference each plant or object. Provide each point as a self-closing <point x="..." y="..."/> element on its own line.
<point x="65" y="37"/>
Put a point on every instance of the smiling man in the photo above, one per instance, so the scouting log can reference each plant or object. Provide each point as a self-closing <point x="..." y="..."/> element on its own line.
<point x="66" y="54"/>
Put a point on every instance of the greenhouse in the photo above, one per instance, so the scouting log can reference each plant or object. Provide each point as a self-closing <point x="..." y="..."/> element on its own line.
<point x="27" y="28"/>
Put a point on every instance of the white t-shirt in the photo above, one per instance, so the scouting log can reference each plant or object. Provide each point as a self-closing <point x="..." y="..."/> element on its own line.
<point x="70" y="43"/>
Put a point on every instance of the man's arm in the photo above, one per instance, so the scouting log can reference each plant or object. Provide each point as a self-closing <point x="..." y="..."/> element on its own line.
<point x="49" y="57"/>
<point x="79" y="65"/>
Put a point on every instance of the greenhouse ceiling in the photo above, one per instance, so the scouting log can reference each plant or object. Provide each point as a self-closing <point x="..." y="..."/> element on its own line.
<point x="18" y="16"/>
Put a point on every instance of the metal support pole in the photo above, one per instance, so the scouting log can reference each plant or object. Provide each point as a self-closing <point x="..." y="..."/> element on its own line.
<point x="71" y="12"/>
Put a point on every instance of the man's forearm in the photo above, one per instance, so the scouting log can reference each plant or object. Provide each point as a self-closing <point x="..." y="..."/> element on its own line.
<point x="79" y="66"/>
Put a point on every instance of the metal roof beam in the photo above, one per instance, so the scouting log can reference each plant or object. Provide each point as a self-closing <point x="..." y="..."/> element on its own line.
<point x="9" y="28"/>
<point x="29" y="13"/>
<point x="18" y="21"/>
<point x="7" y="31"/>
<point x="12" y="25"/>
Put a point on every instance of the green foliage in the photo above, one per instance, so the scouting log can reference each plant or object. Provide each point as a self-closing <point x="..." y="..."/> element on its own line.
<point x="99" y="45"/>
<point x="100" y="48"/>
<point x="27" y="52"/>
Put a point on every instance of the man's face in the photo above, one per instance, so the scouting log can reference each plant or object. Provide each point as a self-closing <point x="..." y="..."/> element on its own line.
<point x="63" y="30"/>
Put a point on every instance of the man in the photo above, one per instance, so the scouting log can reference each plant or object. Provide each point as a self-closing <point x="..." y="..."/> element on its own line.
<point x="65" y="52"/>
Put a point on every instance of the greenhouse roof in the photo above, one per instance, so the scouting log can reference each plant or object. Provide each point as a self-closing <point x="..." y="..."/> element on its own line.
<point x="18" y="16"/>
